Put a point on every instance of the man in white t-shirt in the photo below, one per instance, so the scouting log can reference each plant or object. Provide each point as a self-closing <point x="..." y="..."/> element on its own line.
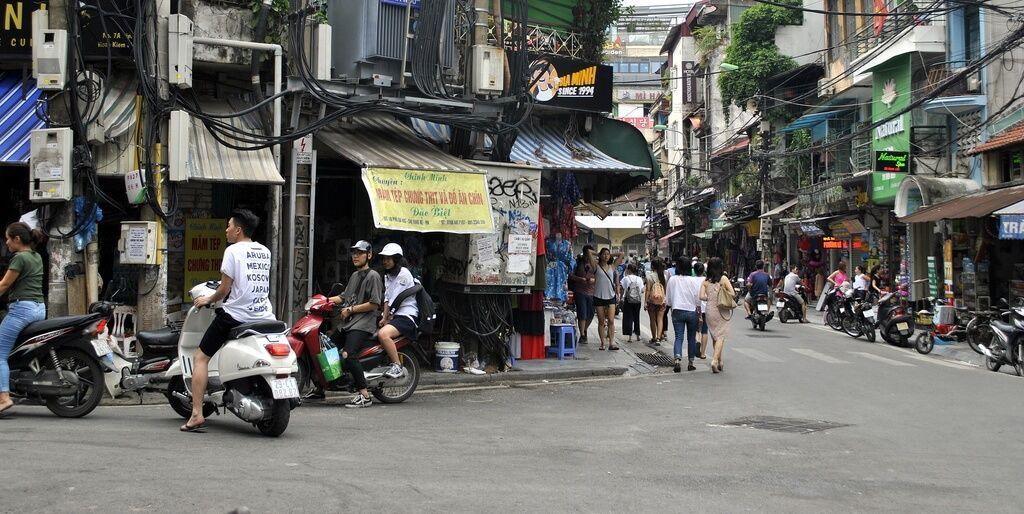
<point x="789" y="287"/>
<point x="245" y="289"/>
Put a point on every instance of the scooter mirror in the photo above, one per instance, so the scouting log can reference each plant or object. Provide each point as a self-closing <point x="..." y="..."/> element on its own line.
<point x="336" y="289"/>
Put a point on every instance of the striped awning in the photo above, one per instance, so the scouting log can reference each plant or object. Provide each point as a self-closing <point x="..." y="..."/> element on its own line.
<point x="117" y="110"/>
<point x="548" y="147"/>
<point x="380" y="141"/>
<point x="18" y="102"/>
<point x="210" y="161"/>
<point x="433" y="132"/>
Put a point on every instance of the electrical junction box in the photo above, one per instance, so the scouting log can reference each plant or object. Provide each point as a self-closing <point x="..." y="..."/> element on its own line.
<point x="178" y="142"/>
<point x="321" y="56"/>
<point x="179" y="51"/>
<point x="50" y="56"/>
<point x="50" y="165"/>
<point x="138" y="242"/>
<point x="488" y="70"/>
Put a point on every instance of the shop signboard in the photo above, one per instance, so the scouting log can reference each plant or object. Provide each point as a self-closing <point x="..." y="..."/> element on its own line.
<point x="1011" y="226"/>
<point x="891" y="93"/>
<point x="640" y="122"/>
<point x="100" y="35"/>
<point x="429" y="201"/>
<point x="689" y="85"/>
<point x="933" y="277"/>
<point x="558" y="81"/>
<point x="637" y="96"/>
<point x="891" y="161"/>
<point x="834" y="243"/>
<point x="204" y="250"/>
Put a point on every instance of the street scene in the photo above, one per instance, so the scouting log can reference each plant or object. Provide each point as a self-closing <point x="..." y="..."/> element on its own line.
<point x="513" y="255"/>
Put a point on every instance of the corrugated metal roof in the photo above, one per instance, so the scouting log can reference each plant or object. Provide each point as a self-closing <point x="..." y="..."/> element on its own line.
<point x="977" y="205"/>
<point x="380" y="141"/>
<point x="433" y="132"/>
<point x="1017" y="208"/>
<point x="210" y="161"/>
<point x="18" y="99"/>
<point x="548" y="148"/>
<point x="117" y="114"/>
<point x="1009" y="137"/>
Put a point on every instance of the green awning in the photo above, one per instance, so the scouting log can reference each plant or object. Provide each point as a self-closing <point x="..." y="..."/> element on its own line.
<point x="623" y="142"/>
<point x="549" y="13"/>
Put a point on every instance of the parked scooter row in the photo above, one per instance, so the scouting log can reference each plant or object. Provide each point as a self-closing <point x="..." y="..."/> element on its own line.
<point x="890" y="316"/>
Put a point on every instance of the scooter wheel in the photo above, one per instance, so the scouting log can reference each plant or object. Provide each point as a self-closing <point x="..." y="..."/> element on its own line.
<point x="181" y="407"/>
<point x="782" y="316"/>
<point x="992" y="364"/>
<point x="279" y="418"/>
<point x="924" y="344"/>
<point x="399" y="390"/>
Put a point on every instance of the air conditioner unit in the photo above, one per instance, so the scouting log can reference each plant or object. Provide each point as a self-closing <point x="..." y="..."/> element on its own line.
<point x="370" y="36"/>
<point x="825" y="87"/>
<point x="50" y="164"/>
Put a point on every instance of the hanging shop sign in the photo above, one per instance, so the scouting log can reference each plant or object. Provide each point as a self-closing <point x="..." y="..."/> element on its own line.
<point x="429" y="201"/>
<point x="639" y="122"/>
<point x="637" y="96"/>
<point x="558" y="81"/>
<point x="834" y="243"/>
<point x="204" y="250"/>
<point x="1011" y="226"/>
<point x="689" y="82"/>
<point x="892" y="161"/>
<point x="101" y="35"/>
<point x="890" y="95"/>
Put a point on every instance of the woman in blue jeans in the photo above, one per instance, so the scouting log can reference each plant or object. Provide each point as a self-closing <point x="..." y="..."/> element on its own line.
<point x="682" y="294"/>
<point x="24" y="282"/>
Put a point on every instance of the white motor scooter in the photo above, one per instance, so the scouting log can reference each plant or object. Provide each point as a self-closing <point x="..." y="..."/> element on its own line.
<point x="251" y="375"/>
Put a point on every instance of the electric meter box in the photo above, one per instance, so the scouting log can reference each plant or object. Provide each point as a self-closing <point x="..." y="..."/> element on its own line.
<point x="488" y="70"/>
<point x="50" y="58"/>
<point x="50" y="162"/>
<point x="138" y="242"/>
<point x="179" y="50"/>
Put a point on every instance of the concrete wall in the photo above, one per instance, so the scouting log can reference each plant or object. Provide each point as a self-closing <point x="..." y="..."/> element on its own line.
<point x="795" y="40"/>
<point x="220" y="20"/>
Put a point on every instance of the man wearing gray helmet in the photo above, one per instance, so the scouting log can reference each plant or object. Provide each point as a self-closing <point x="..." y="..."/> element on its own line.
<point x="399" y="320"/>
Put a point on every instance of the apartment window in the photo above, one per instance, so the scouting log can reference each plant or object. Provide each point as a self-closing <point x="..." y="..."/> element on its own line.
<point x="634" y="67"/>
<point x="1011" y="165"/>
<point x="972" y="32"/>
<point x="645" y="67"/>
<point x="673" y="136"/>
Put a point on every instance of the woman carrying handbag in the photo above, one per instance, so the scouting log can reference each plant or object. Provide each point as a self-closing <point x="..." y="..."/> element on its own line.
<point x="721" y="298"/>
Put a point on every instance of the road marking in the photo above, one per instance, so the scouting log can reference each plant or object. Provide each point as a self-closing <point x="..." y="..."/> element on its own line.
<point x="757" y="355"/>
<point x="940" y="362"/>
<point x="818" y="355"/>
<point x="885" y="360"/>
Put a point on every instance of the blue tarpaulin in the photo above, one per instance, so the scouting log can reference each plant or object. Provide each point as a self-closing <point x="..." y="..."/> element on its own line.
<point x="18" y="102"/>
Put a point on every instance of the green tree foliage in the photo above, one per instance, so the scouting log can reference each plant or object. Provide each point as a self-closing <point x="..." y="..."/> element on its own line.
<point x="706" y="39"/>
<point x="593" y="17"/>
<point x="752" y="48"/>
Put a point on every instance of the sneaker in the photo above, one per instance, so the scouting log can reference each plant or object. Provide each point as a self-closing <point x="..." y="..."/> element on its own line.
<point x="678" y="367"/>
<point x="315" y="394"/>
<point x="359" y="402"/>
<point x="395" y="371"/>
<point x="691" y="367"/>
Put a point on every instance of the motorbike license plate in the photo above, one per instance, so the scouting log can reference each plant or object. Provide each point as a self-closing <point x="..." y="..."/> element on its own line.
<point x="903" y="327"/>
<point x="780" y="304"/>
<point x="762" y="307"/>
<point x="870" y="313"/>
<point x="101" y="348"/>
<point x="284" y="388"/>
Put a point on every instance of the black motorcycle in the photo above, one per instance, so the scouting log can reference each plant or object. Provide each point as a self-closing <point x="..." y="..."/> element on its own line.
<point x="833" y="302"/>
<point x="55" y="363"/>
<point x="895" y="320"/>
<point x="788" y="306"/>
<point x="864" y="312"/>
<point x="849" y="318"/>
<point x="1007" y="346"/>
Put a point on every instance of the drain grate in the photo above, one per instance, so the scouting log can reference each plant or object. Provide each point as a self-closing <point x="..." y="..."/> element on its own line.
<point x="789" y="425"/>
<point x="656" y="359"/>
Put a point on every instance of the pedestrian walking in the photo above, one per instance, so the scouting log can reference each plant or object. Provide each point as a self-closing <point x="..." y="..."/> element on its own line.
<point x="24" y="281"/>
<point x="584" y="279"/>
<point x="632" y="298"/>
<point x="702" y="322"/>
<point x="717" y="286"/>
<point x="683" y="293"/>
<point x="606" y="293"/>
<point x="655" y="300"/>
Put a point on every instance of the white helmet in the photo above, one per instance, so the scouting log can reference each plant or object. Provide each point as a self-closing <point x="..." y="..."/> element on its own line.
<point x="390" y="250"/>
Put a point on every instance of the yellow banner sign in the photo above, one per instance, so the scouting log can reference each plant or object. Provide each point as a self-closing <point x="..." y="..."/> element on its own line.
<point x="204" y="249"/>
<point x="429" y="201"/>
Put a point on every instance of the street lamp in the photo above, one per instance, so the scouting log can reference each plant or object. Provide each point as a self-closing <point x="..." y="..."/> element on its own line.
<point x="728" y="67"/>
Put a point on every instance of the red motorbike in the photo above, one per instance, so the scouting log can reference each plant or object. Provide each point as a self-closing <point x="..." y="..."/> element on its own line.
<point x="309" y="335"/>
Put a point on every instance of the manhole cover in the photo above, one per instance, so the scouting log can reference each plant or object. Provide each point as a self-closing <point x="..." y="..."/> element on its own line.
<point x="791" y="425"/>
<point x="656" y="359"/>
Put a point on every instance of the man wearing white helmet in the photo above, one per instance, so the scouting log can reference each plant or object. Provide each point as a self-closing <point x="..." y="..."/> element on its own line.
<point x="398" y="321"/>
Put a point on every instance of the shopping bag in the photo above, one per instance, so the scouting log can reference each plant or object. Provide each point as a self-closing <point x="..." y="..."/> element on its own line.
<point x="330" y="363"/>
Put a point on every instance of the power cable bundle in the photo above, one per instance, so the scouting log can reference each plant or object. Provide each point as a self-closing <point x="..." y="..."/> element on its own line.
<point x="484" y="318"/>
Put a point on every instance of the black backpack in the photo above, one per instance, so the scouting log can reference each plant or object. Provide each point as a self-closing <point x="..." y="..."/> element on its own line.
<point x="425" y="304"/>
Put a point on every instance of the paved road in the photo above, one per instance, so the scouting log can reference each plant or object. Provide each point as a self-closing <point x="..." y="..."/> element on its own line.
<point x="921" y="434"/>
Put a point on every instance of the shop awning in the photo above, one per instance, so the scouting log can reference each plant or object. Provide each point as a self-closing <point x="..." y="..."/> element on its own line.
<point x="611" y="222"/>
<point x="1017" y="208"/>
<point x="625" y="143"/>
<point x="971" y="206"/>
<point x="810" y="120"/>
<point x="381" y="141"/>
<point x="209" y="161"/>
<point x="731" y="148"/>
<point x="18" y="102"/>
<point x="117" y="110"/>
<point x="919" y="191"/>
<point x="780" y="209"/>
<point x="1014" y="135"/>
<point x="706" y="193"/>
<point x="548" y="147"/>
<point x="670" y="235"/>
<point x="433" y="132"/>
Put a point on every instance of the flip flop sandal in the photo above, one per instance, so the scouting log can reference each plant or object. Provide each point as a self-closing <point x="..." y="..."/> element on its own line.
<point x="199" y="429"/>
<point x="613" y="348"/>
<point x="601" y="348"/>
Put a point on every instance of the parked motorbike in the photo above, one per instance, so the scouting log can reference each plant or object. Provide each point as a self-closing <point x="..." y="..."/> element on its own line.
<point x="955" y="331"/>
<point x="864" y="313"/>
<point x="788" y="306"/>
<point x="849" y="319"/>
<point x="251" y="375"/>
<point x="309" y="334"/>
<point x="895" y="322"/>
<point x="979" y="327"/>
<point x="146" y="371"/>
<point x="1008" y="344"/>
<point x="56" y="362"/>
<point x="833" y="303"/>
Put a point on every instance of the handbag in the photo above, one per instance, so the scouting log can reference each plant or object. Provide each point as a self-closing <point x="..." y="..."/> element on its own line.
<point x="330" y="361"/>
<point x="726" y="301"/>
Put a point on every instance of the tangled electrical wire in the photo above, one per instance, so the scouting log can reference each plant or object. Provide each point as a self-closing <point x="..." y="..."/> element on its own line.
<point x="486" y="319"/>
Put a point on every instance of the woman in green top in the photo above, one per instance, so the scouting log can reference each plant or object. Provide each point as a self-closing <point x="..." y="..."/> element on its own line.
<point x="24" y="283"/>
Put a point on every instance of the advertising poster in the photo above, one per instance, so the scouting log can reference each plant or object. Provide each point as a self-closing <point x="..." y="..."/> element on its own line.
<point x="429" y="201"/>
<point x="571" y="83"/>
<point x="204" y="250"/>
<point x="891" y="139"/>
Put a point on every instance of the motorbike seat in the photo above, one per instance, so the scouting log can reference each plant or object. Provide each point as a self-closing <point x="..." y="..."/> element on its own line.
<point x="47" y="325"/>
<point x="1005" y="328"/>
<point x="260" y="327"/>
<point x="160" y="338"/>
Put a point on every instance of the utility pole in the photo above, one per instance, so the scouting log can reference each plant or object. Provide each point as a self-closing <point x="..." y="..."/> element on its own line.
<point x="765" y="171"/>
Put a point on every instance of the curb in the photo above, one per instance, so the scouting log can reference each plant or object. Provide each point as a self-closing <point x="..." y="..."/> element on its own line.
<point x="953" y="352"/>
<point x="437" y="380"/>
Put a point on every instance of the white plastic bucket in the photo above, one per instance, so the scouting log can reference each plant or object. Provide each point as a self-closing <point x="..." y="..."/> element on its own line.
<point x="446" y="357"/>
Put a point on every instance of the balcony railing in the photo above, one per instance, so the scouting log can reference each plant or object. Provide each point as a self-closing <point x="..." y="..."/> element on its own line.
<point x="867" y="40"/>
<point x="940" y="74"/>
<point x="929" y="141"/>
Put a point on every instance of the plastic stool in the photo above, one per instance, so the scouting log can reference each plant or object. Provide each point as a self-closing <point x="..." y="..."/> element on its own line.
<point x="563" y="341"/>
